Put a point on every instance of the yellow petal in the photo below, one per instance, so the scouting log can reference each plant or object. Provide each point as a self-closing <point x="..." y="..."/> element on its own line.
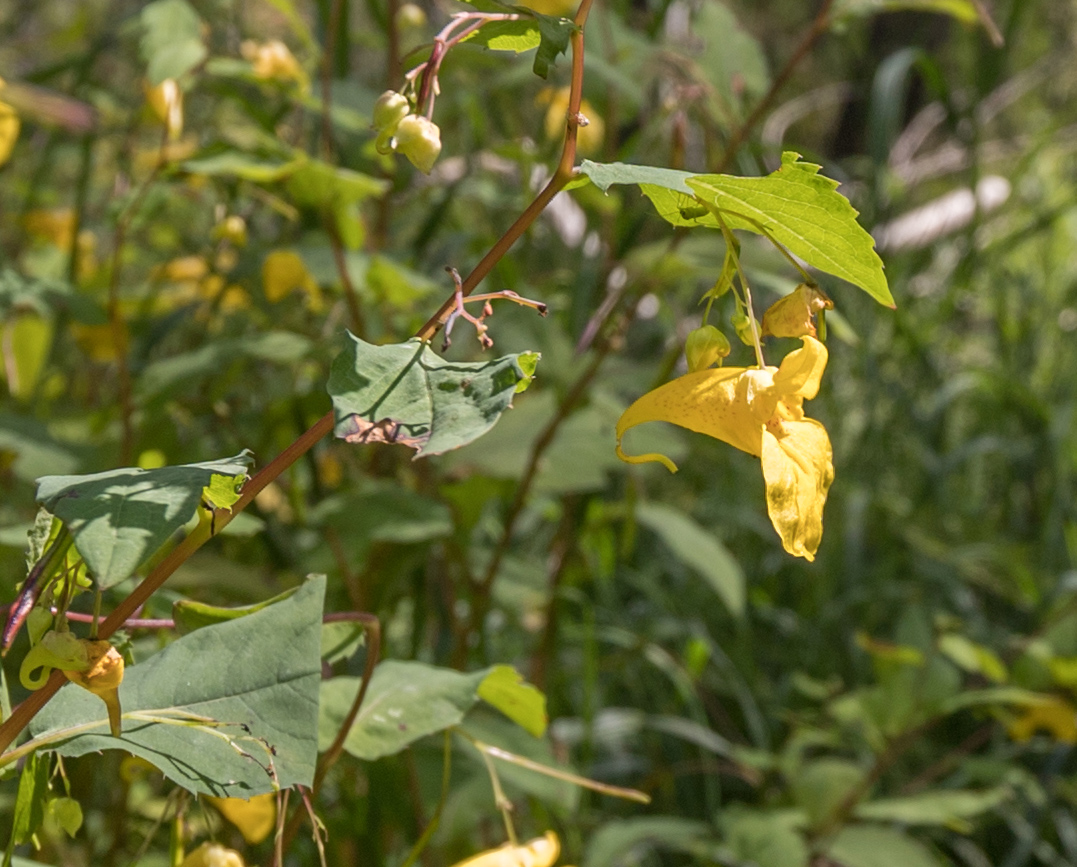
<point x="798" y="470"/>
<point x="801" y="371"/>
<point x="255" y="818"/>
<point x="283" y="272"/>
<point x="540" y="852"/>
<point x="712" y="402"/>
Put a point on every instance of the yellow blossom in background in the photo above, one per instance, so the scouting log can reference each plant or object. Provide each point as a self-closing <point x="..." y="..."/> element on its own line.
<point x="166" y="100"/>
<point x="283" y="272"/>
<point x="540" y="852"/>
<point x="9" y="128"/>
<point x="56" y="225"/>
<point x="256" y="818"/>
<point x="213" y="855"/>
<point x="100" y="342"/>
<point x="557" y="8"/>
<point x="759" y="411"/>
<point x="1054" y="715"/>
<point x="273" y="61"/>
<point x="589" y="138"/>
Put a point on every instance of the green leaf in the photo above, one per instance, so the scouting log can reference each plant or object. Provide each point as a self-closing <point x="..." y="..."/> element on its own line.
<point x="30" y="800"/>
<point x="765" y="838"/>
<point x="697" y="549"/>
<point x="241" y="165"/>
<point x="517" y="36"/>
<point x="613" y="842"/>
<point x="795" y="205"/>
<point x="190" y="614"/>
<point x="222" y="492"/>
<point x="171" y="40"/>
<point x="384" y="512"/>
<point x="36" y="452"/>
<point x="972" y="657"/>
<point x="318" y="184"/>
<point x="119" y="518"/>
<point x="962" y="10"/>
<point x="555" y="34"/>
<point x="253" y="680"/>
<point x="406" y="394"/>
<point x="820" y="786"/>
<point x="340" y="640"/>
<point x="950" y="808"/>
<point x="505" y="688"/>
<point x="405" y="701"/>
<point x="876" y="846"/>
<point x="528" y="363"/>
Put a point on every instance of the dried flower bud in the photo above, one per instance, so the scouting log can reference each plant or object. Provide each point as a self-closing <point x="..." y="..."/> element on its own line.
<point x="704" y="347"/>
<point x="419" y="140"/>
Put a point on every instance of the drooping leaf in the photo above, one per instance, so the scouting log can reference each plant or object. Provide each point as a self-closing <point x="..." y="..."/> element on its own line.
<point x="241" y="697"/>
<point x="404" y="393"/>
<point x="405" y="701"/>
<point x="877" y="846"/>
<point x="119" y="518"/>
<point x="555" y="34"/>
<point x="795" y="205"/>
<point x="505" y="689"/>
<point x="171" y="40"/>
<point x="66" y="813"/>
<point x="698" y="549"/>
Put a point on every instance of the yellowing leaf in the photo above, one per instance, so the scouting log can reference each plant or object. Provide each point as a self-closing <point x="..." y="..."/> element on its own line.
<point x="1056" y="716"/>
<point x="255" y="818"/>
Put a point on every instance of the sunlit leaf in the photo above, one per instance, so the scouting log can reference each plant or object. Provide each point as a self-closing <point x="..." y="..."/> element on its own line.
<point x="171" y="40"/>
<point x="505" y="689"/>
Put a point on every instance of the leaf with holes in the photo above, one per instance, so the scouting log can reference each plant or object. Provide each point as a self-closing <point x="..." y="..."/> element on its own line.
<point x="404" y="393"/>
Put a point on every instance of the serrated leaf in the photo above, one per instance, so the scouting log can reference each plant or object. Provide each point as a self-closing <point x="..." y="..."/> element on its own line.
<point x="528" y="364"/>
<point x="797" y="206"/>
<point x="697" y="549"/>
<point x="171" y="40"/>
<point x="406" y="701"/>
<point x="505" y="688"/>
<point x="261" y="671"/>
<point x="406" y="394"/>
<point x="119" y="518"/>
<point x="554" y="37"/>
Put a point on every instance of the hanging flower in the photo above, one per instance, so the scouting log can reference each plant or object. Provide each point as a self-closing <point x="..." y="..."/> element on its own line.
<point x="759" y="411"/>
<point x="540" y="852"/>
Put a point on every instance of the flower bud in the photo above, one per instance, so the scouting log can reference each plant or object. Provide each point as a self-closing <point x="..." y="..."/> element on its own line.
<point x="704" y="347"/>
<point x="419" y="140"/>
<point x="389" y="110"/>
<point x="102" y="677"/>
<point x="742" y="324"/>
<point x="791" y="316"/>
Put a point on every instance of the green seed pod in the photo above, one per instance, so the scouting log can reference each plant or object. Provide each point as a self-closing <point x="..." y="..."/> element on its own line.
<point x="704" y="347"/>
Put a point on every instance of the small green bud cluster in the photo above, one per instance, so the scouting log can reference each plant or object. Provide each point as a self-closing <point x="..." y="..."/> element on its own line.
<point x="704" y="347"/>
<point x="416" y="137"/>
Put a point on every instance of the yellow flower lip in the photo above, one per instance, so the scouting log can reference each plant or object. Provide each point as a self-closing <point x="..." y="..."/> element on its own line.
<point x="759" y="411"/>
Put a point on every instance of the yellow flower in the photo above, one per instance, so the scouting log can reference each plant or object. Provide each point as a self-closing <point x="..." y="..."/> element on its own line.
<point x="273" y="61"/>
<point x="540" y="852"/>
<point x="255" y="817"/>
<point x="759" y="411"/>
<point x="590" y="133"/>
<point x="1054" y="715"/>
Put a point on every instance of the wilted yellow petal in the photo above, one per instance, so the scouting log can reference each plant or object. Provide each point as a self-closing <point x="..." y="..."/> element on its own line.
<point x="9" y="130"/>
<point x="1055" y="715"/>
<point x="798" y="470"/>
<point x="255" y="818"/>
<point x="540" y="852"/>
<point x="792" y="315"/>
<point x="283" y="272"/>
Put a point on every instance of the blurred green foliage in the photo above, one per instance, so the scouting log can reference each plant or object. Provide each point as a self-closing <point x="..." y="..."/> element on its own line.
<point x="174" y="288"/>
